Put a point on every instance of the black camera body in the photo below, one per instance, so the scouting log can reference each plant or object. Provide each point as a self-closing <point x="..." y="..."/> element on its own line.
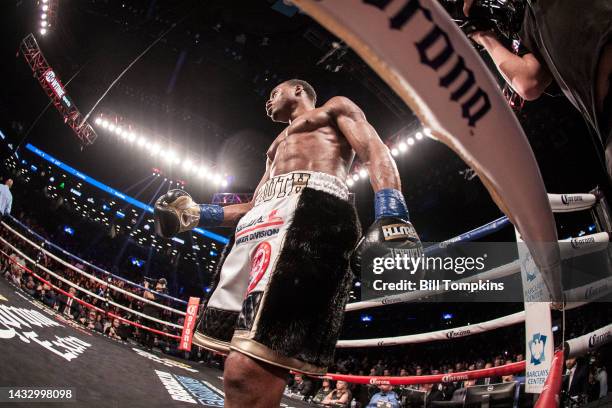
<point x="502" y="16"/>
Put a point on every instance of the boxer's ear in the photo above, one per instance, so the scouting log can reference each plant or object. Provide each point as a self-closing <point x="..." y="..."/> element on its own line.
<point x="298" y="90"/>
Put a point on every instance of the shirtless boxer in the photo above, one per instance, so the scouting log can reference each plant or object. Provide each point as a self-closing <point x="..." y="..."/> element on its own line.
<point x="278" y="302"/>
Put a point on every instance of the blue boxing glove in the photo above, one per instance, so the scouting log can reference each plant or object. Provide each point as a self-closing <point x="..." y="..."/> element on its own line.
<point x="176" y="212"/>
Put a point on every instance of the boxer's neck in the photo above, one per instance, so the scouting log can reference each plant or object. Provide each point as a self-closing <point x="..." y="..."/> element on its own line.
<point x="299" y="110"/>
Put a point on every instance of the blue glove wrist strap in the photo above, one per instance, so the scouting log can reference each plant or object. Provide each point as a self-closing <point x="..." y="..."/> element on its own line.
<point x="389" y="202"/>
<point x="210" y="215"/>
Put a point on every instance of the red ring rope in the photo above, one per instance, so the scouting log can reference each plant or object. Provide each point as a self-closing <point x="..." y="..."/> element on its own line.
<point x="507" y="369"/>
<point x="89" y="305"/>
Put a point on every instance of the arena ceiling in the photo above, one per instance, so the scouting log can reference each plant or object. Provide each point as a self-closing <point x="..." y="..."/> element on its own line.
<point x="204" y="86"/>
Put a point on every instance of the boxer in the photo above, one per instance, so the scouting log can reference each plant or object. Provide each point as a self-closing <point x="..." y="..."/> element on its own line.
<point x="278" y="301"/>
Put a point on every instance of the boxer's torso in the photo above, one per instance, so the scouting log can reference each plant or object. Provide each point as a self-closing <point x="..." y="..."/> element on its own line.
<point x="312" y="142"/>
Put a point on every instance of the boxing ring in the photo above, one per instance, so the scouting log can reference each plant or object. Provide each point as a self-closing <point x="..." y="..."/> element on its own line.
<point x="36" y="251"/>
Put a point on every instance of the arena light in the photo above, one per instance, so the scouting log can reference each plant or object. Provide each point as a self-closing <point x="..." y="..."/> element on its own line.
<point x="394" y="152"/>
<point x="224" y="183"/>
<point x="410" y="141"/>
<point x="403" y="147"/>
<point x="45" y="7"/>
<point x="187" y="165"/>
<point x="363" y="173"/>
<point x="427" y="132"/>
<point x="418" y="136"/>
<point x="355" y="177"/>
<point x="43" y="31"/>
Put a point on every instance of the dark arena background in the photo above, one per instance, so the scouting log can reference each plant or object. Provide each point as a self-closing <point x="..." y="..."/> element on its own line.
<point x="107" y="104"/>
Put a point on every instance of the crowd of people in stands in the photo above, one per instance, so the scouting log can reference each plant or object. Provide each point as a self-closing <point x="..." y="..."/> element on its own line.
<point x="586" y="378"/>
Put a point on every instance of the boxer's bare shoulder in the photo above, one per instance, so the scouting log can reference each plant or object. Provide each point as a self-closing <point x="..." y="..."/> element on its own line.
<point x="313" y="141"/>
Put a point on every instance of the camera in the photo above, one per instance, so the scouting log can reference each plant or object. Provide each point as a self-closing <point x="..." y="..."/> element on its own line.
<point x="503" y="16"/>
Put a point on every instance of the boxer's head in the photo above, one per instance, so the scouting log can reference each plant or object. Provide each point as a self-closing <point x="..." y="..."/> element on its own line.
<point x="287" y="97"/>
<point x="9" y="183"/>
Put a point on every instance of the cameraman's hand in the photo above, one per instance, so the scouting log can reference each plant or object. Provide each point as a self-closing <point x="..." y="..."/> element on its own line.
<point x="482" y="37"/>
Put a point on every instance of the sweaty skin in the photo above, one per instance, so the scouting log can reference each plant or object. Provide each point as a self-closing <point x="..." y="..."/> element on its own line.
<point x="323" y="139"/>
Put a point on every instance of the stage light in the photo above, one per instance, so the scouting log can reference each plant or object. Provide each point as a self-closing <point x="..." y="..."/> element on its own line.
<point x="217" y="179"/>
<point x="43" y="31"/>
<point x="119" y="131"/>
<point x="98" y="121"/>
<point x="111" y="127"/>
<point x="45" y="7"/>
<point x="45" y="1"/>
<point x="418" y="135"/>
<point x="187" y="165"/>
<point x="141" y="141"/>
<point x="350" y="182"/>
<point x="43" y="16"/>
<point x="224" y="183"/>
<point x="410" y="141"/>
<point x="394" y="151"/>
<point x="176" y="160"/>
<point x="155" y="148"/>
<point x="403" y="147"/>
<point x="43" y="23"/>
<point x="105" y="123"/>
<point x="201" y="172"/>
<point x="355" y="177"/>
<point x="131" y="137"/>
<point x="363" y="173"/>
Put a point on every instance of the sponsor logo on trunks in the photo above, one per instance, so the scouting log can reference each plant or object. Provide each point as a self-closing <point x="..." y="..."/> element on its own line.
<point x="191" y="390"/>
<point x="18" y="323"/>
<point x="259" y="264"/>
<point x="254" y="236"/>
<point x="568" y="199"/>
<point x="435" y="50"/>
<point x="282" y="186"/>
<point x="451" y="334"/>
<point x="579" y="242"/>
<point x="453" y="378"/>
<point x="398" y="231"/>
<point x="252" y="230"/>
<point x="165" y="361"/>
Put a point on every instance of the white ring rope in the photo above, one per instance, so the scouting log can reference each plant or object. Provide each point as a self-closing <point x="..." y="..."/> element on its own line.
<point x="95" y="278"/>
<point x="74" y="285"/>
<point x="598" y="289"/>
<point x="580" y="246"/>
<point x="587" y="342"/>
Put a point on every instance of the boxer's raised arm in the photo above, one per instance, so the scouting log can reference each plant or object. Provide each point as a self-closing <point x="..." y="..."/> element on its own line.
<point x="362" y="137"/>
<point x="233" y="213"/>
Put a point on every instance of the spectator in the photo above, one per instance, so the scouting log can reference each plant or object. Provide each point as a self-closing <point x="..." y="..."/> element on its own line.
<point x="323" y="391"/>
<point x="30" y="286"/>
<point x="6" y="198"/>
<point x="301" y="386"/>
<point x="340" y="397"/>
<point x="593" y="385"/>
<point x="69" y="307"/>
<point x="433" y="393"/>
<point x="576" y="376"/>
<point x="113" y="330"/>
<point x="386" y="398"/>
<point x="602" y="378"/>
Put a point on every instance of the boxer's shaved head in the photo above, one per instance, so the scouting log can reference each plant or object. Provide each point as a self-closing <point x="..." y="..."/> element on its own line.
<point x="288" y="97"/>
<point x="305" y="86"/>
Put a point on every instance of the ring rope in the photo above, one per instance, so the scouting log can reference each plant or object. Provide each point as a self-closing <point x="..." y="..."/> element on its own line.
<point x="86" y="304"/>
<point x="599" y="241"/>
<point x="93" y="277"/>
<point x="68" y="282"/>
<point x="507" y="369"/>
<point x="97" y="268"/>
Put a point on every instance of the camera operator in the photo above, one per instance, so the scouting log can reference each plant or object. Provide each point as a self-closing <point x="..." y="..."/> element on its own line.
<point x="568" y="41"/>
<point x="148" y="338"/>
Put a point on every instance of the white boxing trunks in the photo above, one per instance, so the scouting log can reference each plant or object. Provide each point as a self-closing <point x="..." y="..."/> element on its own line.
<point x="282" y="288"/>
